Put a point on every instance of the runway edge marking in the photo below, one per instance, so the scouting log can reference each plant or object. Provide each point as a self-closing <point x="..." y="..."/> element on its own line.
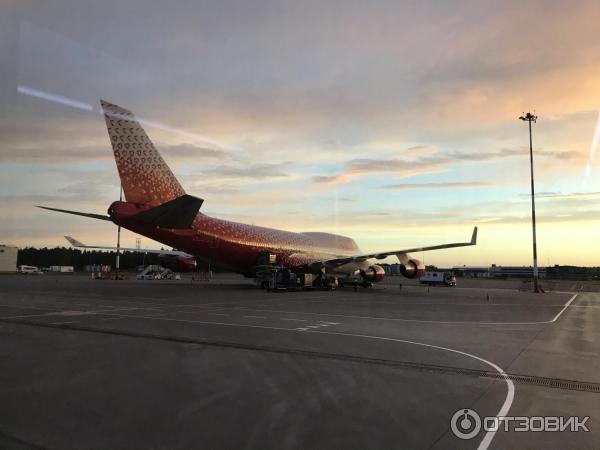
<point x="487" y="439"/>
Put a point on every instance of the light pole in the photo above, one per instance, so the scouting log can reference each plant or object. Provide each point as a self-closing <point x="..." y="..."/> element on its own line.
<point x="117" y="262"/>
<point x="532" y="118"/>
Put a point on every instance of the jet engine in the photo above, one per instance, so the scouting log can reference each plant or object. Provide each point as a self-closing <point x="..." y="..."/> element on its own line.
<point x="373" y="274"/>
<point x="186" y="264"/>
<point x="412" y="269"/>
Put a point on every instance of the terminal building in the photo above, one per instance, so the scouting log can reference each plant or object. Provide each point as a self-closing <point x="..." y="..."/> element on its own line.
<point x="492" y="271"/>
<point x="8" y="258"/>
<point x="471" y="271"/>
<point x="515" y="272"/>
<point x="498" y="272"/>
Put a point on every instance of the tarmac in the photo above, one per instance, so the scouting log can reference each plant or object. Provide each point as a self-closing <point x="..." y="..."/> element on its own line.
<point x="100" y="364"/>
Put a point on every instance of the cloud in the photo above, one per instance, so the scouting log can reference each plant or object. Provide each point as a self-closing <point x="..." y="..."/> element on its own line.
<point x="403" y="167"/>
<point x="421" y="160"/>
<point x="249" y="171"/>
<point x="572" y="199"/>
<point x="510" y="152"/>
<point x="51" y="153"/>
<point x="565" y="154"/>
<point x="333" y="179"/>
<point x="64" y="149"/>
<point x="191" y="151"/>
<point x="448" y="185"/>
<point x="568" y="196"/>
<point x="417" y="160"/>
<point x="579" y="216"/>
<point x="487" y="155"/>
<point x="91" y="185"/>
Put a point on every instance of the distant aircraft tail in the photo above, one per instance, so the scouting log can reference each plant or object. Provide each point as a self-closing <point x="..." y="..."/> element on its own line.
<point x="74" y="242"/>
<point x="145" y="176"/>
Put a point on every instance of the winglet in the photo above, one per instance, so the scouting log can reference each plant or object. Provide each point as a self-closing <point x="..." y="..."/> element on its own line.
<point x="474" y="237"/>
<point x="74" y="242"/>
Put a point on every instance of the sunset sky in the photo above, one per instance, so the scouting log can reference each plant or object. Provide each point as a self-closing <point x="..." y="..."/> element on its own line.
<point x="392" y="122"/>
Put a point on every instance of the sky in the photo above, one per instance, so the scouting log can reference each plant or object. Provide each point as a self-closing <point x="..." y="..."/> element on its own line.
<point x="391" y="122"/>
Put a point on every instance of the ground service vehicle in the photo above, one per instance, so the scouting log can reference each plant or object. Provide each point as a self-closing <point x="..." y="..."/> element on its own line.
<point x="439" y="278"/>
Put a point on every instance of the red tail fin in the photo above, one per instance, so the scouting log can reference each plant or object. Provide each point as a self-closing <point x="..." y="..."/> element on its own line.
<point x="145" y="176"/>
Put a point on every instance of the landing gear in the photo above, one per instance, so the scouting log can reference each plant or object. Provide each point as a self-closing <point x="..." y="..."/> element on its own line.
<point x="364" y="284"/>
<point x="355" y="283"/>
<point x="333" y="283"/>
<point x="326" y="282"/>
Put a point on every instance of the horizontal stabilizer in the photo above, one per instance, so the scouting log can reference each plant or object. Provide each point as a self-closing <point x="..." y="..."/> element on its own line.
<point x="178" y="213"/>
<point x="78" y="213"/>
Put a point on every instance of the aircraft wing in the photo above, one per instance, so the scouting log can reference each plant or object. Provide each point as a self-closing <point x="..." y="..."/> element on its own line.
<point x="401" y="254"/>
<point x="75" y="243"/>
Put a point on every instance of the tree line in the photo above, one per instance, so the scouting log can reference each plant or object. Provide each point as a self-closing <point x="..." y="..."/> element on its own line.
<point x="63" y="256"/>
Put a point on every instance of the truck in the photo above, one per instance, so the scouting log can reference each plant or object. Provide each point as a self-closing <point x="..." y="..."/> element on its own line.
<point x="438" y="278"/>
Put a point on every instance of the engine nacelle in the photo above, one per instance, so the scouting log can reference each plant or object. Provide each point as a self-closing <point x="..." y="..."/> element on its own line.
<point x="373" y="274"/>
<point x="412" y="269"/>
<point x="185" y="264"/>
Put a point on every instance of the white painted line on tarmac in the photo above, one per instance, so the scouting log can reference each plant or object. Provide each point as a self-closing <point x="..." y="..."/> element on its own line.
<point x="509" y="384"/>
<point x="563" y="310"/>
<point x="439" y="322"/>
<point x="64" y="323"/>
<point x="217" y="314"/>
<point x="510" y="395"/>
<point x="28" y="315"/>
<point x="394" y="319"/>
<point x="295" y="320"/>
<point x="29" y="307"/>
<point x="318" y="325"/>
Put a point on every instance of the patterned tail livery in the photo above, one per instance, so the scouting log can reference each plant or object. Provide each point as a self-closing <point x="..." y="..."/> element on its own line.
<point x="145" y="176"/>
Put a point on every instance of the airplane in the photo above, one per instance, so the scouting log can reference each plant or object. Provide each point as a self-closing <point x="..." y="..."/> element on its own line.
<point x="156" y="206"/>
<point x="184" y="261"/>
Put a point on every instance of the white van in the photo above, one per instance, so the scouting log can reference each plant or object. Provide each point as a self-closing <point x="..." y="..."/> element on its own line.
<point x="29" y="270"/>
